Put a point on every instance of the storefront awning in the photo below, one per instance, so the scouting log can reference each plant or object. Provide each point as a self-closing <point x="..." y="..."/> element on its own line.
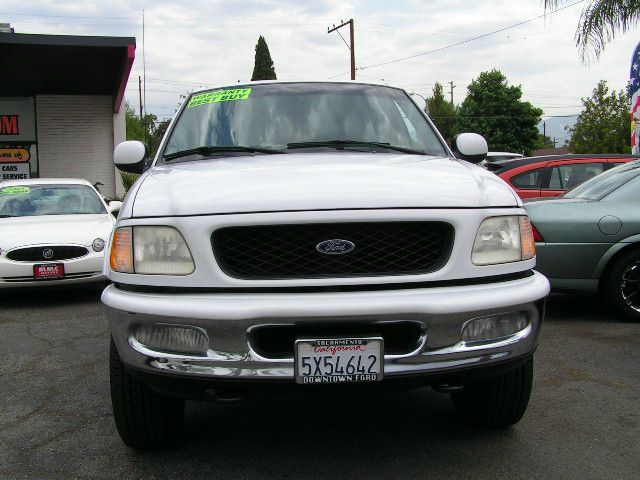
<point x="65" y="65"/>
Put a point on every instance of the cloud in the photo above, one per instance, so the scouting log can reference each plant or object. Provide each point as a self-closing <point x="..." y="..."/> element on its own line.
<point x="195" y="43"/>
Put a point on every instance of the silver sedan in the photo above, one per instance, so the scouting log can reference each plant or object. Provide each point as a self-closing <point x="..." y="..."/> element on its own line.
<point x="589" y="240"/>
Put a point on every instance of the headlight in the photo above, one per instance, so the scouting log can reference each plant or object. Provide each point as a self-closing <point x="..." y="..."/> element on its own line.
<point x="98" y="245"/>
<point x="503" y="240"/>
<point x="150" y="250"/>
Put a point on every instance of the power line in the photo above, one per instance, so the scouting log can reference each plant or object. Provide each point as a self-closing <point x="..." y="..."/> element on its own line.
<point x="508" y="27"/>
<point x="345" y="42"/>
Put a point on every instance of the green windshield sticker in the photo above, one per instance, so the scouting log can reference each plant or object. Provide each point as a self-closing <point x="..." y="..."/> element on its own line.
<point x="14" y="190"/>
<point x="219" y="96"/>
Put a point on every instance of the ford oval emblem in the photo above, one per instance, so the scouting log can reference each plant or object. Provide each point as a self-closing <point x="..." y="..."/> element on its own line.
<point x="47" y="253"/>
<point x="335" y="247"/>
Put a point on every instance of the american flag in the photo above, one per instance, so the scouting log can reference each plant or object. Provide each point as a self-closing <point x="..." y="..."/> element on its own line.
<point x="634" y="94"/>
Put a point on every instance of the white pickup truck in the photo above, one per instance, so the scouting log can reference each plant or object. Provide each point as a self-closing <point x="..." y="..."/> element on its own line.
<point x="316" y="238"/>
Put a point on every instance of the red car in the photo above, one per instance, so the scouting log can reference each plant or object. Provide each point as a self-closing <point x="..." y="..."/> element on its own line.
<point x="553" y="175"/>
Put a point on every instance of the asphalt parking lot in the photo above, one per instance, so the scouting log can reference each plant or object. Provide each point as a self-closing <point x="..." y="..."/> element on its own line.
<point x="56" y="422"/>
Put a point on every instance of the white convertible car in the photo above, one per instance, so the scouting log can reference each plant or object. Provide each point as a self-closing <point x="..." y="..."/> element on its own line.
<point x="52" y="232"/>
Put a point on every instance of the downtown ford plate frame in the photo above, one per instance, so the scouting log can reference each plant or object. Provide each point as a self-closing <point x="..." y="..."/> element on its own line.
<point x="339" y="360"/>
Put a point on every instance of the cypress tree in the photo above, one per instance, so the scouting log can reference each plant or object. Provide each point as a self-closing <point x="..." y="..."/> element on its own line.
<point x="263" y="67"/>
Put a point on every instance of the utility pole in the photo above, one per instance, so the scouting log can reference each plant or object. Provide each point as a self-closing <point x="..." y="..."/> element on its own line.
<point x="352" y="41"/>
<point x="544" y="129"/>
<point x="451" y="87"/>
<point x="140" y="93"/>
<point x="144" y="66"/>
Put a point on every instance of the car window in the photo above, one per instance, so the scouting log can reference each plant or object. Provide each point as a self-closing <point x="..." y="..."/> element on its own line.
<point x="273" y="115"/>
<point x="601" y="185"/>
<point x="627" y="192"/>
<point x="530" y="179"/>
<point x="35" y="200"/>
<point x="566" y="177"/>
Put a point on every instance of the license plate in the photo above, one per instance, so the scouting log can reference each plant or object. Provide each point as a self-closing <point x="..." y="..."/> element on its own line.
<point x="339" y="360"/>
<point x="48" y="270"/>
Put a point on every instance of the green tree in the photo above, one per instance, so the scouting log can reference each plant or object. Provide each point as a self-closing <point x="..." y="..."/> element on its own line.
<point x="544" y="142"/>
<point x="263" y="65"/>
<point x="600" y="21"/>
<point x="442" y="112"/>
<point x="603" y="126"/>
<point x="494" y="109"/>
<point x="146" y="129"/>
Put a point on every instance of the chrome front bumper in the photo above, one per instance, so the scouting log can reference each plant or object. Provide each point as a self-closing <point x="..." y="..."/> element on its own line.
<point x="227" y="319"/>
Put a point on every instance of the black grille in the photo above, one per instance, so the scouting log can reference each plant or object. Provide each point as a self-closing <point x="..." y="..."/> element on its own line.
<point x="289" y="251"/>
<point x="47" y="253"/>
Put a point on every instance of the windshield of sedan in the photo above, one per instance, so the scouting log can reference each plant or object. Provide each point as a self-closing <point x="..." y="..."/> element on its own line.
<point x="36" y="200"/>
<point x="277" y="115"/>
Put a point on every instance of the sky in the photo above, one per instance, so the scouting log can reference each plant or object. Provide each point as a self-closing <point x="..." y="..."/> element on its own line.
<point x="193" y="44"/>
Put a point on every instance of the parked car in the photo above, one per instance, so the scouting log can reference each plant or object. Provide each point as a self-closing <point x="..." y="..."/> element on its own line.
<point x="553" y="175"/>
<point x="494" y="158"/>
<point x="52" y="232"/>
<point x="297" y="236"/>
<point x="589" y="240"/>
<point x="502" y="156"/>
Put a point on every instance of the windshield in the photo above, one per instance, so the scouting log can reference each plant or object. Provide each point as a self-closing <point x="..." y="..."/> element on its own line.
<point x="601" y="185"/>
<point x="276" y="115"/>
<point x="35" y="200"/>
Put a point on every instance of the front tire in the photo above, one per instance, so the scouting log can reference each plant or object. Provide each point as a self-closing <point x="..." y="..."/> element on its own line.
<point x="143" y="418"/>
<point x="498" y="402"/>
<point x="621" y="285"/>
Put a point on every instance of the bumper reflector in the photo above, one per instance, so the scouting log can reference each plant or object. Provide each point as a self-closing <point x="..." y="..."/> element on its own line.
<point x="179" y="339"/>
<point x="494" y="327"/>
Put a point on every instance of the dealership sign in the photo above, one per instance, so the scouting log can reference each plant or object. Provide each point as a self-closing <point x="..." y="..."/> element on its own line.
<point x="14" y="171"/>
<point x="17" y="120"/>
<point x="14" y="155"/>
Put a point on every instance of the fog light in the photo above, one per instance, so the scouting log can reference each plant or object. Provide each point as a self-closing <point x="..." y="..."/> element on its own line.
<point x="494" y="327"/>
<point x="173" y="338"/>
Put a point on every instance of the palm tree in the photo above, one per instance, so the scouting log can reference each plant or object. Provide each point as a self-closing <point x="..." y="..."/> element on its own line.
<point x="600" y="21"/>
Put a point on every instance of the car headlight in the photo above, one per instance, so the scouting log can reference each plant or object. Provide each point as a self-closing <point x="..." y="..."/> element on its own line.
<point x="502" y="240"/>
<point x="98" y="245"/>
<point x="150" y="250"/>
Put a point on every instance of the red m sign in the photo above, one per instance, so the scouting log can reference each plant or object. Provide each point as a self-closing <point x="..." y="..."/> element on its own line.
<point x="9" y="125"/>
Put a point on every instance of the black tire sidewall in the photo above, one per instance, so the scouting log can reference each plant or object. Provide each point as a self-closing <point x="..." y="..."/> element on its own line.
<point x="612" y="291"/>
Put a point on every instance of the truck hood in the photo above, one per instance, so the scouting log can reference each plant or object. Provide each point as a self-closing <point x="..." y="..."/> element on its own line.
<point x="54" y="230"/>
<point x="317" y="181"/>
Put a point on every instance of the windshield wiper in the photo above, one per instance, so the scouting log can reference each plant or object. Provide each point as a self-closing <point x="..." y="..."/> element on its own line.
<point x="341" y="144"/>
<point x="8" y="216"/>
<point x="209" y="150"/>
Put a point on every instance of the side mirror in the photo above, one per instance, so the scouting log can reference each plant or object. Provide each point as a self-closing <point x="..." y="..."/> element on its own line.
<point x="129" y="156"/>
<point x="470" y="147"/>
<point x="114" y="206"/>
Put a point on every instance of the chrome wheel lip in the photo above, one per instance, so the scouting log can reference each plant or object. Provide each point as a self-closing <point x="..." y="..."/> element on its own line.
<point x="630" y="286"/>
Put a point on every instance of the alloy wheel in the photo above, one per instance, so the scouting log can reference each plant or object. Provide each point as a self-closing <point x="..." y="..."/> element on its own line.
<point x="630" y="286"/>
